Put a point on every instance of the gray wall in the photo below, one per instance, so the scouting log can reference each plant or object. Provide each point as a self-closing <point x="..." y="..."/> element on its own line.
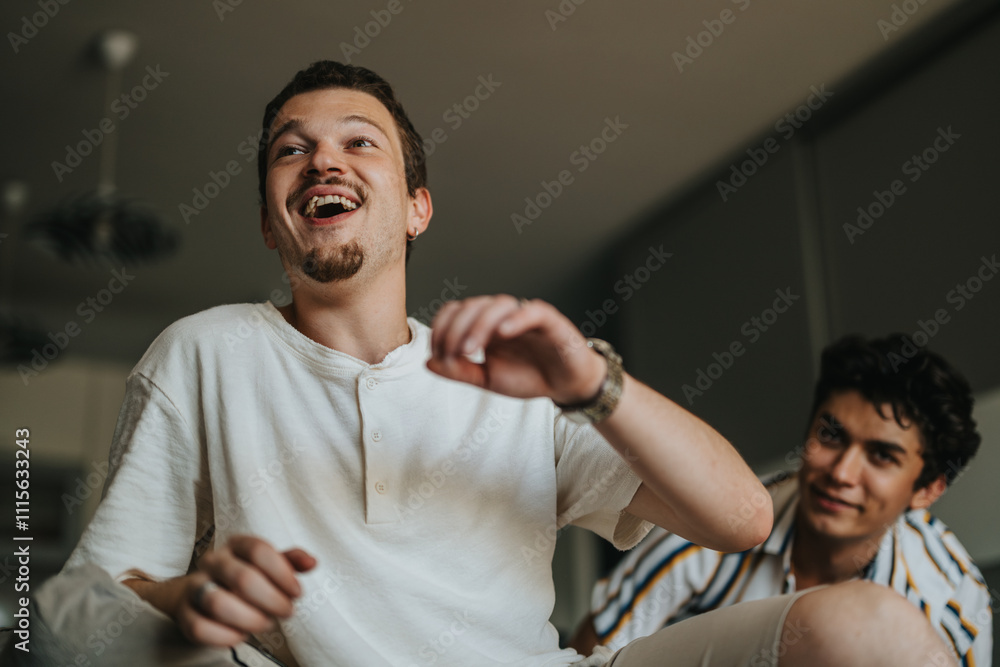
<point x="784" y="228"/>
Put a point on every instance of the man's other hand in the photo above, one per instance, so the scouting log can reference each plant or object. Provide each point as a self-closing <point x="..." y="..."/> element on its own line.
<point x="241" y="589"/>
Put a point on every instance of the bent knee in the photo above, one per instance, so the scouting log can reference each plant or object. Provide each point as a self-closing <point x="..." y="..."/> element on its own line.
<point x="856" y="606"/>
<point x="862" y="623"/>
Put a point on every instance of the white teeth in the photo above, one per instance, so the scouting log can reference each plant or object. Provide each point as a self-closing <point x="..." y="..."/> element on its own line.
<point x="320" y="200"/>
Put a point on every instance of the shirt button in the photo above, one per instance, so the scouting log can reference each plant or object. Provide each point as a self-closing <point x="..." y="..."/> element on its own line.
<point x="376" y="435"/>
<point x="380" y="487"/>
<point x="371" y="383"/>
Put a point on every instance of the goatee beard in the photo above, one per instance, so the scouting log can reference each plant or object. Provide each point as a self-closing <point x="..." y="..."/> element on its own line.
<point x="338" y="263"/>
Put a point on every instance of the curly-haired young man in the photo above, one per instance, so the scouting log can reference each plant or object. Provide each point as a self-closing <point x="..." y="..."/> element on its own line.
<point x="891" y="428"/>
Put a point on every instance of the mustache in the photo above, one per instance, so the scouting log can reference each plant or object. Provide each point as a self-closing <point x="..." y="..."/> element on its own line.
<point x="359" y="191"/>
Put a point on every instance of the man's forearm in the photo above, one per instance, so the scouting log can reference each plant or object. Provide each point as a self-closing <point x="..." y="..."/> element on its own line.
<point x="697" y="485"/>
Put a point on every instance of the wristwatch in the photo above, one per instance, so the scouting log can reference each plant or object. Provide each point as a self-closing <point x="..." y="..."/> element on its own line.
<point x="603" y="404"/>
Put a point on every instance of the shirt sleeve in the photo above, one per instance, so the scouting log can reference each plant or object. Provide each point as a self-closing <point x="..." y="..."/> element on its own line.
<point x="982" y="645"/>
<point x="595" y="485"/>
<point x="966" y="622"/>
<point x="647" y="590"/>
<point x="157" y="498"/>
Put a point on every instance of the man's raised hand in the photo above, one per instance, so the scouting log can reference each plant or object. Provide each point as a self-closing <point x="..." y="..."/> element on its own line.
<point x="526" y="348"/>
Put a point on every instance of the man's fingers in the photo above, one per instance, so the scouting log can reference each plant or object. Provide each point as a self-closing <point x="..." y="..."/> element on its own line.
<point x="264" y="558"/>
<point x="531" y="349"/>
<point x="218" y="603"/>
<point x="249" y="584"/>
<point x="301" y="560"/>
<point x="465" y="315"/>
<point x="530" y="315"/>
<point x="246" y="584"/>
<point x="252" y="570"/>
<point x="202" y="630"/>
<point x="463" y="327"/>
<point x="480" y="330"/>
<point x="460" y="369"/>
<point x="550" y="323"/>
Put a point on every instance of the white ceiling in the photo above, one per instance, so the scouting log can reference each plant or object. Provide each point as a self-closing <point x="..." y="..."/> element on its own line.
<point x="557" y="87"/>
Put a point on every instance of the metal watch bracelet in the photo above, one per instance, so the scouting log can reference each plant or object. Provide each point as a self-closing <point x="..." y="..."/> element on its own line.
<point x="603" y="404"/>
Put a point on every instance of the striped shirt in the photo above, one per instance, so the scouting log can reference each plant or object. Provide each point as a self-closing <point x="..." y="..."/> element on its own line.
<point x="667" y="579"/>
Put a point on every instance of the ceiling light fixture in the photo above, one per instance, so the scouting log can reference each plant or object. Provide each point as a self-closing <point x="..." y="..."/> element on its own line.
<point x="102" y="225"/>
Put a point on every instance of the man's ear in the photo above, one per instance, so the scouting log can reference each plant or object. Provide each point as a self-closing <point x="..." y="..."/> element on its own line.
<point x="421" y="210"/>
<point x="265" y="229"/>
<point x="925" y="497"/>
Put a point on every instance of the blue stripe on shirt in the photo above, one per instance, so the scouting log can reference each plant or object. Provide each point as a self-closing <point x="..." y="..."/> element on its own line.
<point x="662" y="567"/>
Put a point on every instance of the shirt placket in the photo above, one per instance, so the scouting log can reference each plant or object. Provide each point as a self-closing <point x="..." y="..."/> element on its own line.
<point x="380" y="482"/>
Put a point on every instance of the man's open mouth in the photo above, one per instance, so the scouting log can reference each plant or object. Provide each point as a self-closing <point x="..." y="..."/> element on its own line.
<point x="327" y="206"/>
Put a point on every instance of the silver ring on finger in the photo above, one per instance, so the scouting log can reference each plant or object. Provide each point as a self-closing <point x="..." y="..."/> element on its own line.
<point x="202" y="591"/>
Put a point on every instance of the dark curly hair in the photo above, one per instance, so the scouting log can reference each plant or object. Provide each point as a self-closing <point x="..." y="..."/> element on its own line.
<point x="919" y="385"/>
<point x="325" y="74"/>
